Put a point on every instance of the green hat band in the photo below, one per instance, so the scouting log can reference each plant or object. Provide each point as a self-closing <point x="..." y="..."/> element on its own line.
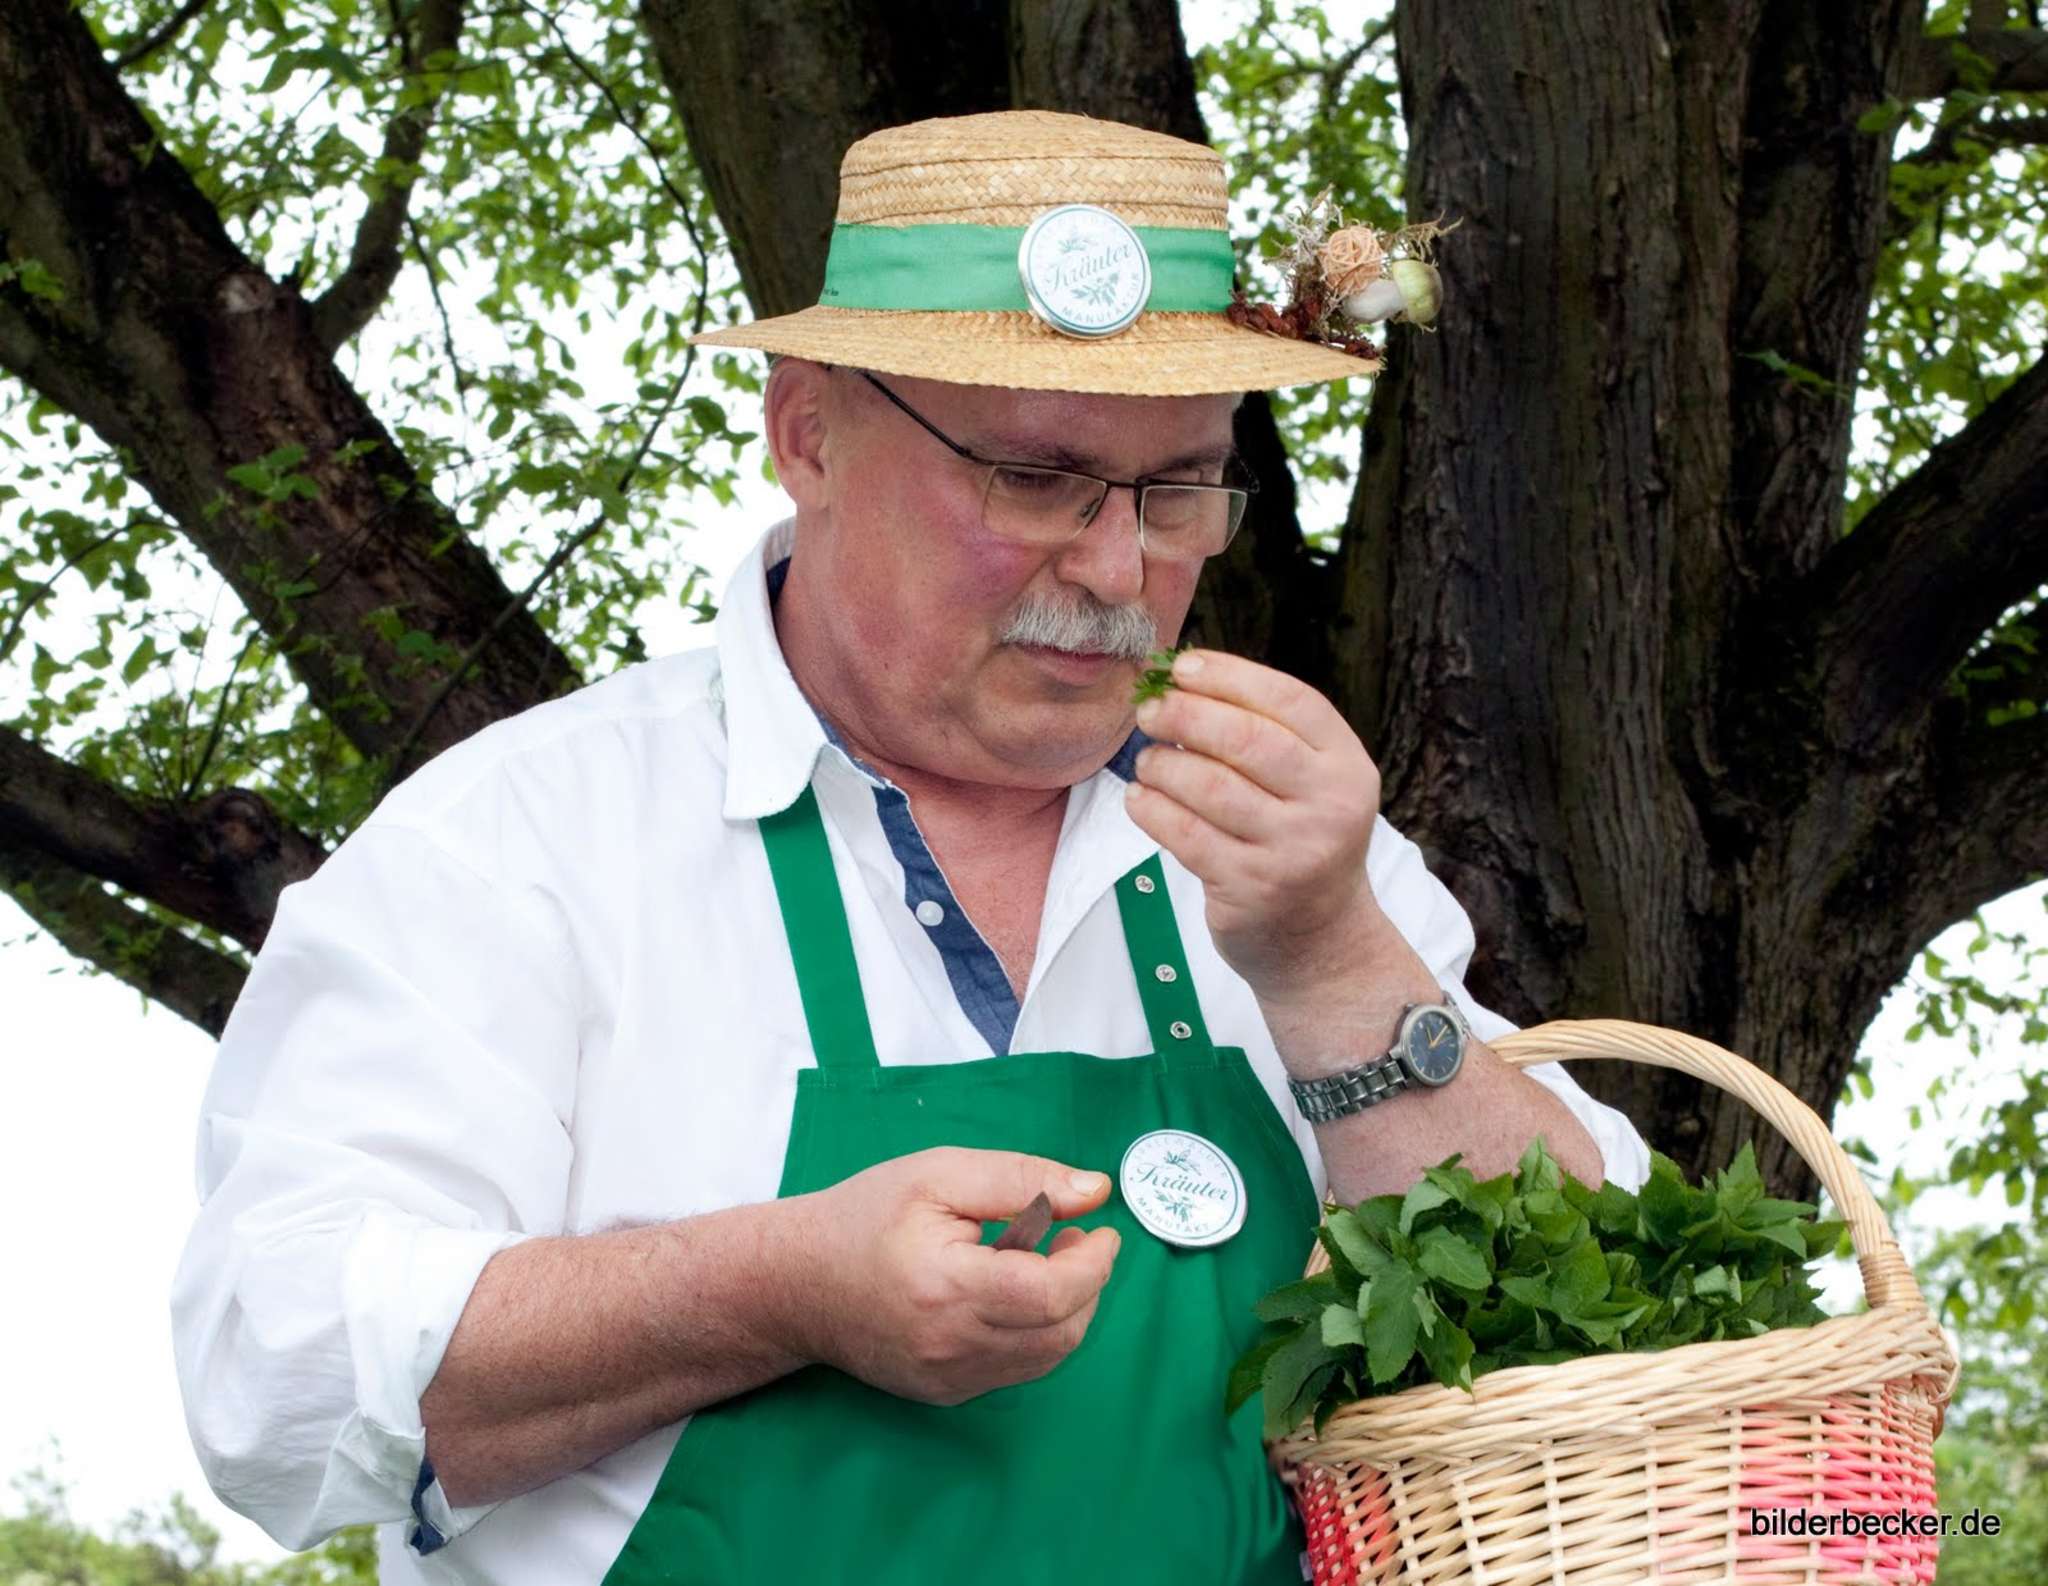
<point x="975" y="268"/>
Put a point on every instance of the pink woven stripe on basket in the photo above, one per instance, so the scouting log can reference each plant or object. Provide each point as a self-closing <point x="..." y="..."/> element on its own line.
<point x="1863" y="1453"/>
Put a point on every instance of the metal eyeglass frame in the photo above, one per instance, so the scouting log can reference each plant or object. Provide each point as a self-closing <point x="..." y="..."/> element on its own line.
<point x="1137" y="487"/>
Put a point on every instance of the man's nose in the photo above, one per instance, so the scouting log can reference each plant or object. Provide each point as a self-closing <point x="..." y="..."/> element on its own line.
<point x="1105" y="557"/>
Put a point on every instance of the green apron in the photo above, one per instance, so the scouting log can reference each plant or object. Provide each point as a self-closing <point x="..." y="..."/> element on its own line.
<point x="1118" y="1466"/>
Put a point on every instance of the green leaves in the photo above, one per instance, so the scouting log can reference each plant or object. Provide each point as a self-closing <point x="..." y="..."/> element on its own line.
<point x="1453" y="1260"/>
<point x="1391" y="1321"/>
<point x="32" y="278"/>
<point x="1461" y="1276"/>
<point x="1156" y="679"/>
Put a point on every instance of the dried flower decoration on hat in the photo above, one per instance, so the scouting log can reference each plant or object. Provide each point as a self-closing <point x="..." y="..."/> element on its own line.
<point x="1341" y="278"/>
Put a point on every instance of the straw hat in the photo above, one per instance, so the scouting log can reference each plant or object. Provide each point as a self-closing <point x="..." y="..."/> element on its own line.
<point x="976" y="249"/>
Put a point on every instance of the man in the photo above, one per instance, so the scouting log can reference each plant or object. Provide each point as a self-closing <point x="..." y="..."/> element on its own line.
<point x="598" y="1159"/>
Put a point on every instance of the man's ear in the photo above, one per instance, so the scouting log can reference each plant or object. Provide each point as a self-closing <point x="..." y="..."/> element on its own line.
<point x="796" y="408"/>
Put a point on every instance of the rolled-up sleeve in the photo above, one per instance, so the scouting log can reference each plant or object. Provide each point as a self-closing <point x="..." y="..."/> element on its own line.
<point x="1436" y="926"/>
<point x="387" y="1111"/>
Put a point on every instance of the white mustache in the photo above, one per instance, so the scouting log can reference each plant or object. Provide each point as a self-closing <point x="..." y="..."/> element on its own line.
<point x="1086" y="627"/>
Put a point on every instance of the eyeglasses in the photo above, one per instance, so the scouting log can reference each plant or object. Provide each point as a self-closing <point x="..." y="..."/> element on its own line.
<point x="1051" y="506"/>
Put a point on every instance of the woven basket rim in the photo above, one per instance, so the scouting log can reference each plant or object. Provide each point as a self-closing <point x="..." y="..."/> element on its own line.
<point x="1586" y="1374"/>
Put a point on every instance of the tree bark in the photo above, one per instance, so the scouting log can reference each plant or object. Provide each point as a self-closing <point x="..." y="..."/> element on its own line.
<point x="220" y="863"/>
<point x="188" y="977"/>
<point x="1610" y="533"/>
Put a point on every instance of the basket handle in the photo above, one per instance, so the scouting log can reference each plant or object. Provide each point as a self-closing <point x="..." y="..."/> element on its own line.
<point x="1887" y="1280"/>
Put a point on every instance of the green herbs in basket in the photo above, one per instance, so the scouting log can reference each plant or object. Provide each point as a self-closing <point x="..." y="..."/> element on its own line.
<point x="1462" y="1276"/>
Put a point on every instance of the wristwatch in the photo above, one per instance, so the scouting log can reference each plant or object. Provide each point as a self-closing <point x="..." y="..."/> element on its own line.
<point x="1429" y="1050"/>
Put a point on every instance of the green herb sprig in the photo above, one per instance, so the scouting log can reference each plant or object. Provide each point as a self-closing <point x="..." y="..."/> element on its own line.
<point x="1462" y="1276"/>
<point x="1157" y="677"/>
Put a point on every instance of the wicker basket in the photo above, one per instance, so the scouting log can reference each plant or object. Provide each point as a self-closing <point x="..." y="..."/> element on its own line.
<point x="1648" y="1467"/>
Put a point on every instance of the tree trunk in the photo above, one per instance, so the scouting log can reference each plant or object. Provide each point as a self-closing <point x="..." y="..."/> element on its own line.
<point x="1603" y="535"/>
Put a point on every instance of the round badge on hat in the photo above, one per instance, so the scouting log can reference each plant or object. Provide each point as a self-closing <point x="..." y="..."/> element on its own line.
<point x="1085" y="272"/>
<point x="1183" y="1188"/>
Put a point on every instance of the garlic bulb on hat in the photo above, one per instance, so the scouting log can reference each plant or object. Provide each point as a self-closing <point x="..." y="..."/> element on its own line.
<point x="1411" y="291"/>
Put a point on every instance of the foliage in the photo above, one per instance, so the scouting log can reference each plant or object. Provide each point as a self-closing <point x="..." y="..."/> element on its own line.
<point x="1993" y="1454"/>
<point x="1305" y="103"/>
<point x="1157" y="677"/>
<point x="557" y="230"/>
<point x="1978" y="990"/>
<point x="1462" y="1276"/>
<point x="1960" y="309"/>
<point x="45" y="1546"/>
<point x="1962" y="289"/>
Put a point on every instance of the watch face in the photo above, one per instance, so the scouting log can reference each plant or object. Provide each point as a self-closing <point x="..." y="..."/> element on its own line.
<point x="1432" y="1047"/>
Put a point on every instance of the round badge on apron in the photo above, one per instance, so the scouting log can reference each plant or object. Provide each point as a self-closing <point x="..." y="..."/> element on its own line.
<point x="1182" y="1188"/>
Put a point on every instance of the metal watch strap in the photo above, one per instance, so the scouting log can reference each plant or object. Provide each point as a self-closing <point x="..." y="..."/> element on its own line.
<point x="1337" y="1096"/>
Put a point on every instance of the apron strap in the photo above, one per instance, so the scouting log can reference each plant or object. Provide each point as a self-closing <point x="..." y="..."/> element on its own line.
<point x="1172" y="1011"/>
<point x="820" y="943"/>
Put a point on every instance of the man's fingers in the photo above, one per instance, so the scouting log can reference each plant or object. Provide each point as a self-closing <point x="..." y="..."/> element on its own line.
<point x="1225" y="798"/>
<point x="1207" y="852"/>
<point x="1286" y="700"/>
<point x="994" y="1186"/>
<point x="1016" y="1289"/>
<point x="1263" y="749"/>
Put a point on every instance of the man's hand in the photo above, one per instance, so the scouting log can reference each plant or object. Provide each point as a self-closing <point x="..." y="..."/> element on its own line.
<point x="909" y="1300"/>
<point x="1262" y="789"/>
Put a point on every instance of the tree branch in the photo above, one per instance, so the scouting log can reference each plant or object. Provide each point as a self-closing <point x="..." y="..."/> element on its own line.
<point x="172" y="344"/>
<point x="433" y="270"/>
<point x="221" y="862"/>
<point x="150" y="43"/>
<point x="190" y="978"/>
<point x="1906" y="596"/>
<point x="2004" y="132"/>
<point x="2018" y="57"/>
<point x="348" y="305"/>
<point x="1984" y="829"/>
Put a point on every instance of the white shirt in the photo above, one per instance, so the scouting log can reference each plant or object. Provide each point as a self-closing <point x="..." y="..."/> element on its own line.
<point x="544" y="988"/>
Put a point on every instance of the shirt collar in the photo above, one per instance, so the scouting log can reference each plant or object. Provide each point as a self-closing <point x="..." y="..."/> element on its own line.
<point x="774" y="737"/>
